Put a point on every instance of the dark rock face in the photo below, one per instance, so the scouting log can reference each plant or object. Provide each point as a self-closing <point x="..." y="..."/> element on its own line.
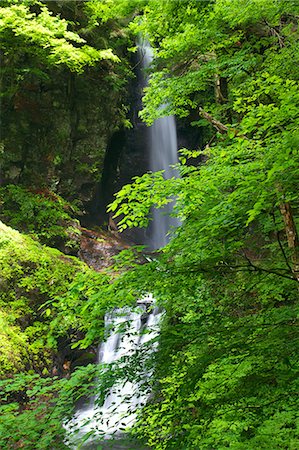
<point x="127" y="152"/>
<point x="55" y="133"/>
<point x="99" y="247"/>
<point x="67" y="359"/>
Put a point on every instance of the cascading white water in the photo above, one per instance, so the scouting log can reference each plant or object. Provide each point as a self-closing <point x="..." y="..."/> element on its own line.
<point x="124" y="399"/>
<point x="163" y="154"/>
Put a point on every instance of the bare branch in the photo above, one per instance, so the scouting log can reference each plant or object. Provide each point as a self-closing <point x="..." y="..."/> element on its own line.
<point x="223" y="129"/>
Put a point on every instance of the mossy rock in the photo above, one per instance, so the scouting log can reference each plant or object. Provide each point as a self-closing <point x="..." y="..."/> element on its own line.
<point x="32" y="276"/>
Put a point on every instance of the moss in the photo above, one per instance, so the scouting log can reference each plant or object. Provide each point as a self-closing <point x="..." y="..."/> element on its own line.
<point x="13" y="345"/>
<point x="31" y="275"/>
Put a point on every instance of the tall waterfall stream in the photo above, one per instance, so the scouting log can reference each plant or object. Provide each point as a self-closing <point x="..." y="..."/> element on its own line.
<point x="163" y="155"/>
<point x="128" y="331"/>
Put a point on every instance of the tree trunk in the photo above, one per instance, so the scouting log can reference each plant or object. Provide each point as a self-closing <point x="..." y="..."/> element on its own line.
<point x="221" y="93"/>
<point x="292" y="236"/>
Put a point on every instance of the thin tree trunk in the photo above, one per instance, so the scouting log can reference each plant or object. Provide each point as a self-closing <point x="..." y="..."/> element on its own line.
<point x="220" y="89"/>
<point x="292" y="236"/>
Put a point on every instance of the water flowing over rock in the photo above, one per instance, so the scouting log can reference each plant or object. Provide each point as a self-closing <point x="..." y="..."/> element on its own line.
<point x="163" y="155"/>
<point x="128" y="332"/>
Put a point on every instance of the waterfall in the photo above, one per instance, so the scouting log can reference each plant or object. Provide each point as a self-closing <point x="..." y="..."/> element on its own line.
<point x="127" y="332"/>
<point x="163" y="154"/>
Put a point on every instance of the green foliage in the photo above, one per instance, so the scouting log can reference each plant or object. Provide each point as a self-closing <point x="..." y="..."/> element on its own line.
<point x="61" y="70"/>
<point x="84" y="305"/>
<point x="44" y="215"/>
<point x="133" y="201"/>
<point x="13" y="345"/>
<point x="234" y="41"/>
<point x="106" y="10"/>
<point x="226" y="371"/>
<point x="37" y="412"/>
<point x="34" y="408"/>
<point x="46" y="299"/>
<point x="50" y="34"/>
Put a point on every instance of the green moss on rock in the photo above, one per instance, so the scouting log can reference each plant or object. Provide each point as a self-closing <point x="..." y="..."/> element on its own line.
<point x="31" y="275"/>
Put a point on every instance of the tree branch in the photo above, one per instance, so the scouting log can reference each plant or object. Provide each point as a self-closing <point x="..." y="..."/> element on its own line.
<point x="223" y="129"/>
<point x="250" y="267"/>
<point x="280" y="243"/>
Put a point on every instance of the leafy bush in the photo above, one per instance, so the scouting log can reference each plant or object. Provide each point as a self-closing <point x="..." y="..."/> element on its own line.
<point x="33" y="408"/>
<point x="42" y="214"/>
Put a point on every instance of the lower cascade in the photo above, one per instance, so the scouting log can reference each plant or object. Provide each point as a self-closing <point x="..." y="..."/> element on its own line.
<point x="129" y="333"/>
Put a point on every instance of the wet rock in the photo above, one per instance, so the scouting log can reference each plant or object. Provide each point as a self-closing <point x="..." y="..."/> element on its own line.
<point x="98" y="247"/>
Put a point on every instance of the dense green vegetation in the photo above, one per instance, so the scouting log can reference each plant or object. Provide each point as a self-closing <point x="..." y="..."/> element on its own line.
<point x="63" y="94"/>
<point x="226" y="371"/>
<point x="43" y="214"/>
